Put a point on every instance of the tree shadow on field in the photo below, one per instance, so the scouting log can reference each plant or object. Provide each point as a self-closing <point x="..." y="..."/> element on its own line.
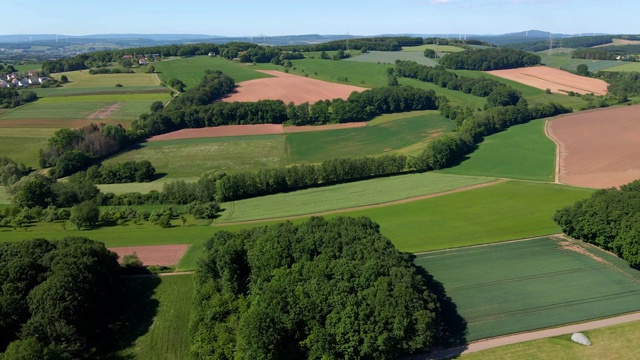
<point x="451" y="327"/>
<point x="135" y="311"/>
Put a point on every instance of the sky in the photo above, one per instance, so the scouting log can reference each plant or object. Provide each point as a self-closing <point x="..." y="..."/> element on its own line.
<point x="287" y="17"/>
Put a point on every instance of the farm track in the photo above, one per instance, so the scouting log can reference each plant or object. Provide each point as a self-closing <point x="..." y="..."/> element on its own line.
<point x="395" y="202"/>
<point x="528" y="336"/>
<point x="557" y="167"/>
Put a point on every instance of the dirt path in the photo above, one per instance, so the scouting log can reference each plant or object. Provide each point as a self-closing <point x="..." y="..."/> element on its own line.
<point x="105" y="112"/>
<point x="395" y="202"/>
<point x="528" y="336"/>
<point x="557" y="170"/>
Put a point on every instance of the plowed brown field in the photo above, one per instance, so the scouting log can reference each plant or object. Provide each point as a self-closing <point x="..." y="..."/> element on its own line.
<point x="598" y="149"/>
<point x="220" y="131"/>
<point x="559" y="81"/>
<point x="290" y="88"/>
<point x="165" y="255"/>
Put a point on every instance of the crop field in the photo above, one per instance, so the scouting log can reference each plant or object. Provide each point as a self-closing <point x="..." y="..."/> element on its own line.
<point x="27" y="67"/>
<point x="62" y="91"/>
<point x="191" y="70"/>
<point x="371" y="140"/>
<point x="613" y="342"/>
<point x="361" y="193"/>
<point x="549" y="282"/>
<point x="390" y="57"/>
<point x="437" y="48"/>
<point x="356" y="73"/>
<point x="166" y="335"/>
<point x="22" y="144"/>
<point x="82" y="79"/>
<point x="628" y="66"/>
<point x="520" y="152"/>
<point x="559" y="81"/>
<point x="192" y="157"/>
<point x="71" y="110"/>
<point x="385" y="118"/>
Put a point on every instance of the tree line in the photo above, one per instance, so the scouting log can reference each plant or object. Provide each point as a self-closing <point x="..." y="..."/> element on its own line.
<point x="358" y="107"/>
<point x="119" y="173"/>
<point x="58" y="298"/>
<point x="611" y="52"/>
<point x="489" y="59"/>
<point x="607" y="219"/>
<point x="321" y="289"/>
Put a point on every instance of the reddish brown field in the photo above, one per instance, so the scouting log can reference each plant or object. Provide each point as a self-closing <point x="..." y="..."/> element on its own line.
<point x="165" y="255"/>
<point x="290" y="88"/>
<point x="598" y="149"/>
<point x="298" y="129"/>
<point x="220" y="131"/>
<point x="558" y="81"/>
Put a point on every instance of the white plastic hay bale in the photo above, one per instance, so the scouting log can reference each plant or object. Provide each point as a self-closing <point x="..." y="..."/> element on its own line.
<point x="581" y="339"/>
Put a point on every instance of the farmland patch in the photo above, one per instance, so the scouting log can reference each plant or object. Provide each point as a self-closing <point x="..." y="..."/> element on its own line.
<point x="290" y="88"/>
<point x="503" y="288"/>
<point x="598" y="148"/>
<point x="166" y="255"/>
<point x="390" y="57"/>
<point x="543" y="77"/>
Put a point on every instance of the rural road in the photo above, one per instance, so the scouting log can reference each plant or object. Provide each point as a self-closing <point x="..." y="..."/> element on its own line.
<point x="528" y="336"/>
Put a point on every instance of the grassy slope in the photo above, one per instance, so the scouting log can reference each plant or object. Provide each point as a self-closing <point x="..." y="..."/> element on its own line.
<point x="629" y="66"/>
<point x="168" y="335"/>
<point x="22" y="145"/>
<point x="191" y="70"/>
<point x="570" y="287"/>
<point x="192" y="157"/>
<point x="342" y="196"/>
<point x="566" y="62"/>
<point x="614" y="342"/>
<point x="317" y="146"/>
<point x="520" y="152"/>
<point x="390" y="57"/>
<point x="141" y="187"/>
<point x="4" y="197"/>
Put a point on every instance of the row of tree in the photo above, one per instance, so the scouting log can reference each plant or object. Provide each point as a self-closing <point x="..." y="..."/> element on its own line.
<point x="489" y="59"/>
<point x="322" y="289"/>
<point x="57" y="298"/>
<point x="10" y="97"/>
<point x="611" y="52"/>
<point x="105" y="70"/>
<point x="358" y="107"/>
<point x="608" y="219"/>
<point x="119" y="173"/>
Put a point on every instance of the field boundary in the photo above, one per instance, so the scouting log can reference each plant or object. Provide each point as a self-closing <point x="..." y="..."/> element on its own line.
<point x="529" y="336"/>
<point x="388" y="203"/>
<point x="487" y="244"/>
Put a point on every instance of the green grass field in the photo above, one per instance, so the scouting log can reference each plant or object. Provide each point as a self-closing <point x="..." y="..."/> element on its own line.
<point x="167" y="337"/>
<point x="386" y="118"/>
<point x="144" y="187"/>
<point x="317" y="146"/>
<point x="63" y="108"/>
<point x="390" y="57"/>
<point x="628" y="66"/>
<point x="191" y="70"/>
<point x="82" y="79"/>
<point x="526" y="285"/>
<point x="192" y="157"/>
<point x="437" y="48"/>
<point x="23" y="145"/>
<point x="78" y="91"/>
<point x="566" y="62"/>
<point x="362" y="193"/>
<point x="613" y="342"/>
<point x="520" y="152"/>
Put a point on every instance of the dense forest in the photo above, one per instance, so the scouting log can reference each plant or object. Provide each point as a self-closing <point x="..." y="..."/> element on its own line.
<point x="10" y="98"/>
<point x="489" y="59"/>
<point x="57" y="298"/>
<point x="621" y="83"/>
<point x="569" y="42"/>
<point x="612" y="52"/>
<point x="324" y="289"/>
<point x="608" y="219"/>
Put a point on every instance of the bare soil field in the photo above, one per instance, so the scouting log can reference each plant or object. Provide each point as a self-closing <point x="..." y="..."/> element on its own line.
<point x="165" y="255"/>
<point x="221" y="131"/>
<point x="307" y="128"/>
<point x="290" y="88"/>
<point x="558" y="81"/>
<point x="619" y="42"/>
<point x="598" y="149"/>
<point x="105" y="112"/>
